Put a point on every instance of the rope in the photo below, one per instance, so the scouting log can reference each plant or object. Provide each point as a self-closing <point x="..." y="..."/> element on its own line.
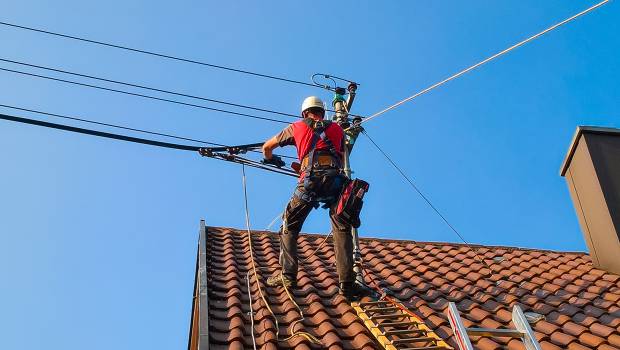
<point x="291" y="328"/>
<point x="425" y="198"/>
<point x="521" y="43"/>
<point x="143" y="96"/>
<point x="156" y="54"/>
<point x="249" y="236"/>
<point x="317" y="248"/>
<point x="385" y="296"/>
<point x="149" y="88"/>
<point x="268" y="228"/>
<point x="247" y="277"/>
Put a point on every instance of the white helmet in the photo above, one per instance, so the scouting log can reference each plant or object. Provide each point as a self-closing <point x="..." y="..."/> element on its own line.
<point x="312" y="102"/>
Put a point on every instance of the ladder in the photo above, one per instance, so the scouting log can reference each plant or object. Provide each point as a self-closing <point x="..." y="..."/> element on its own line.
<point x="395" y="329"/>
<point x="522" y="330"/>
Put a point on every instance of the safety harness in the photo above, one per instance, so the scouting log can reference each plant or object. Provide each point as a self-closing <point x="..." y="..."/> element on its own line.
<point x="328" y="181"/>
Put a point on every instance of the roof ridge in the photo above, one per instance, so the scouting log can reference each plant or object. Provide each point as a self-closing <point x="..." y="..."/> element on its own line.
<point x="392" y="240"/>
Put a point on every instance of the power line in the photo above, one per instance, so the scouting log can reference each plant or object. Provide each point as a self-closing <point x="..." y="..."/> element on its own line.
<point x="124" y="127"/>
<point x="147" y="87"/>
<point x="425" y="198"/>
<point x="232" y="159"/>
<point x="485" y="61"/>
<point x="143" y="96"/>
<point x="156" y="54"/>
<point x="110" y="125"/>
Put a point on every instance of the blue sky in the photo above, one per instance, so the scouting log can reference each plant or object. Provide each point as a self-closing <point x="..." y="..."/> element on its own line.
<point x="98" y="237"/>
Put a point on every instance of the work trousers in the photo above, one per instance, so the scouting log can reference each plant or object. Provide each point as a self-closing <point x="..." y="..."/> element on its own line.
<point x="293" y="219"/>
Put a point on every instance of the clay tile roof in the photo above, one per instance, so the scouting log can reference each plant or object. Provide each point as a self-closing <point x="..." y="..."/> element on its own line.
<point x="580" y="304"/>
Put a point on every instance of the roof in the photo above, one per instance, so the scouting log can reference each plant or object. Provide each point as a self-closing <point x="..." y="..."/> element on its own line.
<point x="580" y="304"/>
<point x="573" y="145"/>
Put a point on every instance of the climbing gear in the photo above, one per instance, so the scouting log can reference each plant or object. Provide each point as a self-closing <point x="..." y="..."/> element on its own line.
<point x="351" y="201"/>
<point x="321" y="184"/>
<point x="322" y="160"/>
<point x="280" y="279"/>
<point x="522" y="329"/>
<point x="312" y="102"/>
<point x="274" y="160"/>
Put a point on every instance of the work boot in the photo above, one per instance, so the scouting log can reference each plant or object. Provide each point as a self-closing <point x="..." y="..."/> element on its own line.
<point x="281" y="279"/>
<point x="353" y="291"/>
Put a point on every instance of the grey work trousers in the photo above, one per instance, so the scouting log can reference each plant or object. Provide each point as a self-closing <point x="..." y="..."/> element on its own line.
<point x="293" y="219"/>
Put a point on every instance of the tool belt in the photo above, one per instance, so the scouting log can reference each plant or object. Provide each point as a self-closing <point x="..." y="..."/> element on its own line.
<point x="320" y="161"/>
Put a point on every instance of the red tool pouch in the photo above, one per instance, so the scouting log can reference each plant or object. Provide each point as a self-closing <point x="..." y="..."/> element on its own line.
<point x="351" y="201"/>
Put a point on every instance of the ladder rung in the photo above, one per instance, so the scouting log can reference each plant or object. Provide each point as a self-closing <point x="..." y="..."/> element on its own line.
<point x="397" y="324"/>
<point x="489" y="332"/>
<point x="413" y="340"/>
<point x="404" y="331"/>
<point x="368" y="303"/>
<point x="373" y="309"/>
<point x="388" y="316"/>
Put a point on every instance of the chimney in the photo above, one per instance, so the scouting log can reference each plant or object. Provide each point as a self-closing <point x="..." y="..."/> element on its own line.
<point x="592" y="170"/>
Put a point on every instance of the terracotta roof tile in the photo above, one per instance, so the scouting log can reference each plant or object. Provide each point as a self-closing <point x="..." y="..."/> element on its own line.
<point x="581" y="304"/>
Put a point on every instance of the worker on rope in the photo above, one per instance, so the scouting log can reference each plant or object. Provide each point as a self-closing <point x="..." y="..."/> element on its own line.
<point x="319" y="146"/>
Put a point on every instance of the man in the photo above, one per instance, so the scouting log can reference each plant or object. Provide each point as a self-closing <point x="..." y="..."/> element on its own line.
<point x="319" y="146"/>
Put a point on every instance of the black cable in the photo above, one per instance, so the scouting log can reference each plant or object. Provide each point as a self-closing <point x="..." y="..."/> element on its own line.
<point x="426" y="199"/>
<point x="238" y="160"/>
<point x="148" y="88"/>
<point x="176" y="58"/>
<point x="144" y="96"/>
<point x="99" y="133"/>
<point x="126" y="128"/>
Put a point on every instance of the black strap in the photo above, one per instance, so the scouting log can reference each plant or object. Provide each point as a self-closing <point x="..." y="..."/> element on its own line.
<point x="318" y="131"/>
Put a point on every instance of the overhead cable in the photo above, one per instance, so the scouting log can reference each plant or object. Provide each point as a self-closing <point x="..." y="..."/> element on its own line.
<point x="144" y="96"/>
<point x="156" y="54"/>
<point x="425" y="198"/>
<point x="91" y="132"/>
<point x="148" y="88"/>
<point x="99" y="133"/>
<point x="484" y="61"/>
<point x="124" y="127"/>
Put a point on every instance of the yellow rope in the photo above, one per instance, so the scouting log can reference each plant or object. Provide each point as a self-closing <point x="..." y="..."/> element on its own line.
<point x="291" y="330"/>
<point x="249" y="236"/>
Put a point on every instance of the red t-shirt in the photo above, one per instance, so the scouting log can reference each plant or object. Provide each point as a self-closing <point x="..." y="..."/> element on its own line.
<point x="300" y="135"/>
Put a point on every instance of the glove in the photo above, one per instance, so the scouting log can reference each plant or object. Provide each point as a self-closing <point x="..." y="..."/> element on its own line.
<point x="274" y="160"/>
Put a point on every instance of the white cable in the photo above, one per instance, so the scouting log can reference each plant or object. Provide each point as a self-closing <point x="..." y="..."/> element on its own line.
<point x="486" y="60"/>
<point x="279" y="216"/>
<point x="247" y="277"/>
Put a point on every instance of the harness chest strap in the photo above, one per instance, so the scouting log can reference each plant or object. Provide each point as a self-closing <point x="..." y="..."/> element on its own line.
<point x="318" y="130"/>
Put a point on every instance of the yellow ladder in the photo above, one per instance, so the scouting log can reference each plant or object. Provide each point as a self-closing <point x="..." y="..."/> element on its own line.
<point x="395" y="329"/>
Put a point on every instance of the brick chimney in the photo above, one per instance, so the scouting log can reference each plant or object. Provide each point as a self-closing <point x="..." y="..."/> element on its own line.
<point x="592" y="170"/>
